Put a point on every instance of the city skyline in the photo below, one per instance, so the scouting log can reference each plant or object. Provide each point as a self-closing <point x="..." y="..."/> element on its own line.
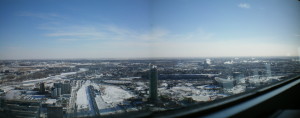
<point x="148" y="29"/>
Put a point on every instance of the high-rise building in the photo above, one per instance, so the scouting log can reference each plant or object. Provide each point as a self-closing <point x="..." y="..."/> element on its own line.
<point x="57" y="85"/>
<point x="153" y="83"/>
<point x="55" y="92"/>
<point x="20" y="109"/>
<point x="65" y="88"/>
<point x="54" y="112"/>
<point x="42" y="87"/>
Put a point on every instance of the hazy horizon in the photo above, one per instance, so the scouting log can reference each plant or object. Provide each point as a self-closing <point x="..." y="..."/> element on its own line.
<point x="148" y="29"/>
<point x="154" y="58"/>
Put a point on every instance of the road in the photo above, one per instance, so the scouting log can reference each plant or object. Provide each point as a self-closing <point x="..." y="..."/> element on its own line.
<point x="92" y="99"/>
<point x="72" y="110"/>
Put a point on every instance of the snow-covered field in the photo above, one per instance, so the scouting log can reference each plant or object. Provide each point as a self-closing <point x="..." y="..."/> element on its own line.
<point x="236" y="90"/>
<point x="101" y="103"/>
<point x="107" y="97"/>
<point x="182" y="92"/>
<point x="56" y="77"/>
<point x="257" y="80"/>
<point x="13" y="94"/>
<point x="23" y="94"/>
<point x="82" y="100"/>
<point x="114" y="94"/>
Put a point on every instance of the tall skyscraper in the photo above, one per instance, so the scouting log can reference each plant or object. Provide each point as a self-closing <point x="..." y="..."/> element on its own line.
<point x="153" y="83"/>
<point x="42" y="87"/>
<point x="65" y="87"/>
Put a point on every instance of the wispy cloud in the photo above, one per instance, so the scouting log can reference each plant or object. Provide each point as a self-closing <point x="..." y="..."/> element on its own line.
<point x="45" y="16"/>
<point x="244" y="5"/>
<point x="90" y="33"/>
<point x="59" y="29"/>
<point x="111" y="32"/>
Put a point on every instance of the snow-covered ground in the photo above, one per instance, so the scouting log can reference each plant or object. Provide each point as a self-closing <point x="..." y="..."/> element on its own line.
<point x="56" y="77"/>
<point x="82" y="70"/>
<point x="101" y="103"/>
<point x="114" y="94"/>
<point x="109" y="96"/>
<point x="201" y="98"/>
<point x="182" y="92"/>
<point x="23" y="94"/>
<point x="50" y="101"/>
<point x="236" y="90"/>
<point x="129" y="78"/>
<point x="7" y="88"/>
<point x="13" y="94"/>
<point x="82" y="100"/>
<point x="257" y="79"/>
<point x="117" y="81"/>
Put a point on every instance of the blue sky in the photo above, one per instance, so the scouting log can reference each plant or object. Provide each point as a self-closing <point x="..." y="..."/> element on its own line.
<point x="35" y="29"/>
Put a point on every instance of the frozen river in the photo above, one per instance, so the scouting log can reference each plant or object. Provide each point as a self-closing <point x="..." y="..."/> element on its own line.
<point x="56" y="77"/>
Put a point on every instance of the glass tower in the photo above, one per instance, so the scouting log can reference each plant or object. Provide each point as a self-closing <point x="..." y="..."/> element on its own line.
<point x="153" y="83"/>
